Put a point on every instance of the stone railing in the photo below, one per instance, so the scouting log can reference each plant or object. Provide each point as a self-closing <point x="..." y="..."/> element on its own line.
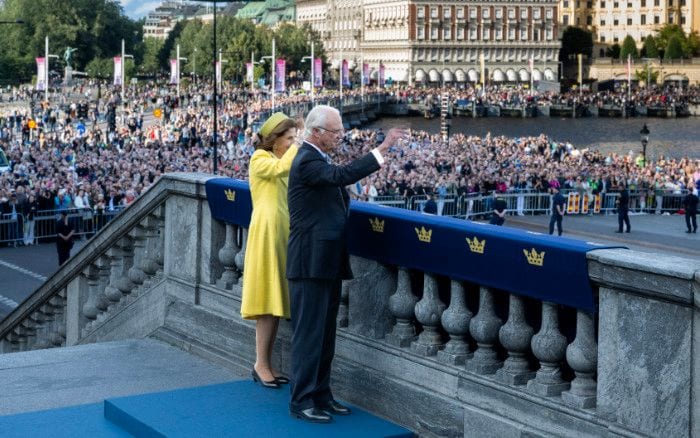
<point x="440" y="356"/>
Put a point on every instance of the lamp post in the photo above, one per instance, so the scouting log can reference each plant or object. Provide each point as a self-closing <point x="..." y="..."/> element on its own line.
<point x="645" y="140"/>
<point x="46" y="68"/>
<point x="272" y="71"/>
<point x="124" y="56"/>
<point x="313" y="66"/>
<point x="179" y="58"/>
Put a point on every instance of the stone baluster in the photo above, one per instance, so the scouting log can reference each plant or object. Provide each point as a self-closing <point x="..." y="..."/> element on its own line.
<point x="149" y="263"/>
<point x="30" y="331"/>
<point x="92" y="277"/>
<point x="484" y="329"/>
<point x="549" y="346"/>
<point x="429" y="312"/>
<point x="227" y="257"/>
<point x="112" y="292"/>
<point x="455" y="321"/>
<point x="60" y="301"/>
<point x="240" y="256"/>
<point x="402" y="304"/>
<point x="104" y="267"/>
<point x="46" y="314"/>
<point x="136" y="273"/>
<point x="515" y="336"/>
<point x="125" y="285"/>
<point x="159" y="239"/>
<point x="343" y="308"/>
<point x="582" y="357"/>
<point x="19" y="332"/>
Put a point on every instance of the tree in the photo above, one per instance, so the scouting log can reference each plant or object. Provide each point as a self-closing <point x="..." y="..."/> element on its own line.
<point x="613" y="51"/>
<point x="629" y="47"/>
<point x="100" y="68"/>
<point x="646" y="74"/>
<point x="150" y="63"/>
<point x="674" y="49"/>
<point x="574" y="41"/>
<point x="650" y="49"/>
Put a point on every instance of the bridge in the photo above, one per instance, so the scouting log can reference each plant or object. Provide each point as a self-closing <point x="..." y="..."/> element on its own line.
<point x="439" y="354"/>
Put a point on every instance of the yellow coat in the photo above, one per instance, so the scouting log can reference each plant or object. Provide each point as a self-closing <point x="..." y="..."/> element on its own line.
<point x="265" y="288"/>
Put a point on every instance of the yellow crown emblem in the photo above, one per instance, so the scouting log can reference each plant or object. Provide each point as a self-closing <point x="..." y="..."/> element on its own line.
<point x="534" y="258"/>
<point x="377" y="225"/>
<point x="230" y="195"/>
<point x="424" y="235"/>
<point x="476" y="246"/>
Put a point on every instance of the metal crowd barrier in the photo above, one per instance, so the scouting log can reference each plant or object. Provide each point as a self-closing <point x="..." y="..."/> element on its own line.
<point x="15" y="229"/>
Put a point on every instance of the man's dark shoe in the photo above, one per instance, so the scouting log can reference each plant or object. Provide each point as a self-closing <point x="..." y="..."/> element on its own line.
<point x="312" y="415"/>
<point x="688" y="231"/>
<point x="335" y="408"/>
<point x="618" y="231"/>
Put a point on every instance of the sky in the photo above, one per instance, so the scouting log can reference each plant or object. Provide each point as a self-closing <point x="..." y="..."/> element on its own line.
<point x="139" y="8"/>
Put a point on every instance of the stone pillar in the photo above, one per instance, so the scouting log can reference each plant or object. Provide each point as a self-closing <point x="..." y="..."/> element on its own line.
<point x="124" y="283"/>
<point x="549" y="346"/>
<point x="402" y="304"/>
<point x="76" y="298"/>
<point x="112" y="292"/>
<point x="455" y="320"/>
<point x="92" y="277"/>
<point x="136" y="273"/>
<point x="428" y="312"/>
<point x="484" y="329"/>
<point x="227" y="257"/>
<point x="515" y="336"/>
<point x="582" y="357"/>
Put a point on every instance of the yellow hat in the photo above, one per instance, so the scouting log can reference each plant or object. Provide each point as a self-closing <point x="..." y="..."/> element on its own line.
<point x="272" y="123"/>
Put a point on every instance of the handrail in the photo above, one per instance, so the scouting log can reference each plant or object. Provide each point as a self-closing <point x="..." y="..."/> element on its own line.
<point x="183" y="184"/>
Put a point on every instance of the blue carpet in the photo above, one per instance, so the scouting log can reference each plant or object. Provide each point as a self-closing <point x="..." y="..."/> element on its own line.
<point x="236" y="409"/>
<point x="73" y="422"/>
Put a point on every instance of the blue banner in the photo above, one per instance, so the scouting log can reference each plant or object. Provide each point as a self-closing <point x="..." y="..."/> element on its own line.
<point x="537" y="265"/>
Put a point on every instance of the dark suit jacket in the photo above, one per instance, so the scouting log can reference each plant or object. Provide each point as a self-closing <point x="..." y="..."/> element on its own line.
<point x="318" y="209"/>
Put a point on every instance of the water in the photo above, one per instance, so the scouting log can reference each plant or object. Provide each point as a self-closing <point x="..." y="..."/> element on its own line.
<point x="670" y="137"/>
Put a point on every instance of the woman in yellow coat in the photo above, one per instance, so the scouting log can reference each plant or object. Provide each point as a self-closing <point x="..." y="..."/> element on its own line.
<point x="265" y="288"/>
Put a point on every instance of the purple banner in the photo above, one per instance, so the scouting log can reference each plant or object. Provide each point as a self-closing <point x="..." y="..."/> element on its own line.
<point x="41" y="74"/>
<point x="365" y="73"/>
<point x="318" y="73"/>
<point x="381" y="75"/>
<point x="249" y="72"/>
<point x="117" y="70"/>
<point x="280" y="73"/>
<point x="346" y="73"/>
<point x="174" y="74"/>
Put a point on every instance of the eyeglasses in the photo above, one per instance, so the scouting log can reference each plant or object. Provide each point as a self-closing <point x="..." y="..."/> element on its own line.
<point x="332" y="131"/>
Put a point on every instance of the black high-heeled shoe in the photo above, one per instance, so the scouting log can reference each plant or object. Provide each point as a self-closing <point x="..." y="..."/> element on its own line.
<point x="271" y="384"/>
<point x="282" y="380"/>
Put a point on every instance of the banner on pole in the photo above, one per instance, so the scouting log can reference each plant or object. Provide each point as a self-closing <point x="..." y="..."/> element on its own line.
<point x="117" y="70"/>
<point x="249" y="72"/>
<point x="174" y="74"/>
<point x="280" y="75"/>
<point x="381" y="75"/>
<point x="365" y="73"/>
<point x="346" y="73"/>
<point x="41" y="74"/>
<point x="318" y="73"/>
<point x="217" y="66"/>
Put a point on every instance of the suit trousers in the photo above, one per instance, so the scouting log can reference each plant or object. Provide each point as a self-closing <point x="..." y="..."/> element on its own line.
<point x="314" y="308"/>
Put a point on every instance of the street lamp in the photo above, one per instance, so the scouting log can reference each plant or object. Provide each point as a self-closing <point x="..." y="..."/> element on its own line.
<point x="11" y="21"/>
<point x="645" y="140"/>
<point x="272" y="70"/>
<point x="313" y="66"/>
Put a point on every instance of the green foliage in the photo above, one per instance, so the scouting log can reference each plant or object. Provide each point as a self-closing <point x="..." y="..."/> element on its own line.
<point x="150" y="62"/>
<point x="674" y="49"/>
<point x="575" y="40"/>
<point x="690" y="44"/>
<point x="94" y="27"/>
<point x="650" y="49"/>
<point x="629" y="47"/>
<point x="613" y="51"/>
<point x="647" y="73"/>
<point x="100" y="68"/>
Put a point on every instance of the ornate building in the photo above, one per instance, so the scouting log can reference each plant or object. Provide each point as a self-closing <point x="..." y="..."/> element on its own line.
<point x="612" y="20"/>
<point x="433" y="41"/>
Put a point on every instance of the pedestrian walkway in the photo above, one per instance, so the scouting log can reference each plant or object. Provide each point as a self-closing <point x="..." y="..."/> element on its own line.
<point x="659" y="234"/>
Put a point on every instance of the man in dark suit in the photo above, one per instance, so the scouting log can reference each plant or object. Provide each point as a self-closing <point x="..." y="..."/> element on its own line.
<point x="690" y="203"/>
<point x="623" y="208"/>
<point x="317" y="258"/>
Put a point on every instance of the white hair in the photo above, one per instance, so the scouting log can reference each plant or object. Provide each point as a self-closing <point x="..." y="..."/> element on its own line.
<point x="317" y="118"/>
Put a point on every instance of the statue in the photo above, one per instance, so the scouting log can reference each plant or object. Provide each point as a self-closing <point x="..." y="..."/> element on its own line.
<point x="68" y="55"/>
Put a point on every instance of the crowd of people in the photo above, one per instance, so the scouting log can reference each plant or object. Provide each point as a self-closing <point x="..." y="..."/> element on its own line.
<point x="67" y="165"/>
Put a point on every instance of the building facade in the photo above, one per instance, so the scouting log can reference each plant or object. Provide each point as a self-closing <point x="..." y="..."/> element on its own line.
<point x="435" y="41"/>
<point x="612" y="20"/>
<point x="161" y="21"/>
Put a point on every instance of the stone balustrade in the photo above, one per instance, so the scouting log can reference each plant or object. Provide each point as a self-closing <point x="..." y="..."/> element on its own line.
<point x="441" y="356"/>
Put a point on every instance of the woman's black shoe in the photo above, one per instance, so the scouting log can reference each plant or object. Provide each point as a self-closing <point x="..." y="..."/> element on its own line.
<point x="282" y="380"/>
<point x="272" y="384"/>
